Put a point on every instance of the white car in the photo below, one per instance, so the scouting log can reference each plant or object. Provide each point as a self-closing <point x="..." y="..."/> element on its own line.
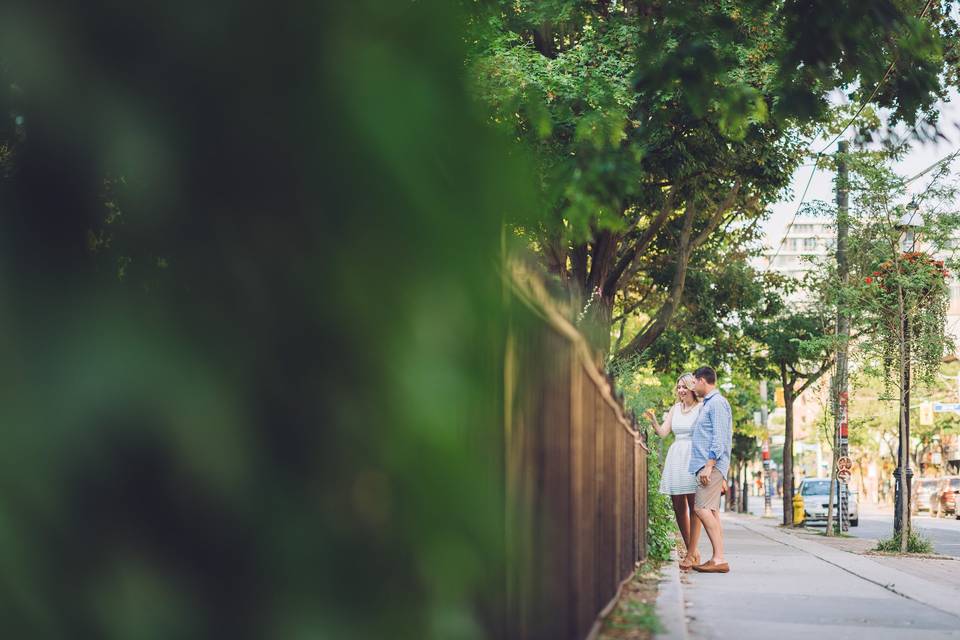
<point x="816" y="498"/>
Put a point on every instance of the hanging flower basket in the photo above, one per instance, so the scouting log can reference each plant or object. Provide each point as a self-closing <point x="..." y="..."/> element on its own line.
<point x="919" y="271"/>
<point x="914" y="288"/>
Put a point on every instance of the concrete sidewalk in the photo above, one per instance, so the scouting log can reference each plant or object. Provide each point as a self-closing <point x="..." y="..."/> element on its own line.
<point x="782" y="586"/>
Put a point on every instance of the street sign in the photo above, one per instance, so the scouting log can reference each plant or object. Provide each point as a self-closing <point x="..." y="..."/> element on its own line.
<point x="943" y="407"/>
<point x="844" y="464"/>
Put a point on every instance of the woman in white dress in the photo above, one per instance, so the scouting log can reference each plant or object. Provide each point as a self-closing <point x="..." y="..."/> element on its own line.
<point x="676" y="480"/>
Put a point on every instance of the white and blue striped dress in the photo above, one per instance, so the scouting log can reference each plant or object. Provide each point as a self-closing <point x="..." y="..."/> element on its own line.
<point x="676" y="478"/>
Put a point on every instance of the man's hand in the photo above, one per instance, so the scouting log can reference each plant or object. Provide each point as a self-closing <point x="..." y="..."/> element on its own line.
<point x="704" y="475"/>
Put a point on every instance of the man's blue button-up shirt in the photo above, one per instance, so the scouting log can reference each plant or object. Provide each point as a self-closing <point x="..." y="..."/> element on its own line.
<point x="712" y="434"/>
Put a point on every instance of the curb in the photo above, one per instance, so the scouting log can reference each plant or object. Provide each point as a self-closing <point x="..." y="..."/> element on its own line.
<point x="670" y="605"/>
<point x="903" y="584"/>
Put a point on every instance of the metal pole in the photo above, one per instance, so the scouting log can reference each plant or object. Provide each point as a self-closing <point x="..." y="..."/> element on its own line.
<point x="903" y="472"/>
<point x="843" y="331"/>
<point x="767" y="485"/>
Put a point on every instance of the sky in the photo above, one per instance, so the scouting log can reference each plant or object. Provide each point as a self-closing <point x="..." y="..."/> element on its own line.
<point x="915" y="161"/>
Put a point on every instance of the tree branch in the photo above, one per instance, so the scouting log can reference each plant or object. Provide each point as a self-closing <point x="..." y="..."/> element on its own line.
<point x="644" y="339"/>
<point x="717" y="215"/>
<point x="633" y="307"/>
<point x="813" y="377"/>
<point x="612" y="281"/>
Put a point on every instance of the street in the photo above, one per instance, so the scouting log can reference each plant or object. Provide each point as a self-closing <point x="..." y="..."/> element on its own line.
<point x="877" y="522"/>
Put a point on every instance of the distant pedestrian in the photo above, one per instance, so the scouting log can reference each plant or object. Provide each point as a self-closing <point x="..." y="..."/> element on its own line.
<point x="710" y="462"/>
<point x="676" y="481"/>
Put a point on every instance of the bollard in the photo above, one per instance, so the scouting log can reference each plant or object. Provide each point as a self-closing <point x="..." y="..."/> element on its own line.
<point x="797" y="509"/>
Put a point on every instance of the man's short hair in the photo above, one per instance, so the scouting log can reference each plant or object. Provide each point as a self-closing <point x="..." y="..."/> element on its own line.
<point x="706" y="373"/>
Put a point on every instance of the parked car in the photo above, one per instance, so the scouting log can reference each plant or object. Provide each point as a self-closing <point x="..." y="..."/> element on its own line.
<point x="923" y="492"/>
<point x="952" y="497"/>
<point x="946" y="497"/>
<point x="816" y="500"/>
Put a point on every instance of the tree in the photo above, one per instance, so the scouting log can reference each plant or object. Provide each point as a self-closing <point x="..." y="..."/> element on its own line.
<point x="799" y="351"/>
<point x="299" y="436"/>
<point x="901" y="291"/>
<point x="656" y="125"/>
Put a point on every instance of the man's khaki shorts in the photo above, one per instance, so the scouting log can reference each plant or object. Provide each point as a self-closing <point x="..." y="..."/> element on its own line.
<point x="708" y="497"/>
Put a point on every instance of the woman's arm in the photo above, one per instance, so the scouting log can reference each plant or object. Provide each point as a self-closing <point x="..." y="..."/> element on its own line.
<point x="662" y="429"/>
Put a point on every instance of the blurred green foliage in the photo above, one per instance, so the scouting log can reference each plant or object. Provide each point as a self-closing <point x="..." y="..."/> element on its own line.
<point x="281" y="421"/>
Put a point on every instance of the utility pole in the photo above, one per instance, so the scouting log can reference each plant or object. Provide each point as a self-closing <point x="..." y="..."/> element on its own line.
<point x="767" y="485"/>
<point x="840" y="423"/>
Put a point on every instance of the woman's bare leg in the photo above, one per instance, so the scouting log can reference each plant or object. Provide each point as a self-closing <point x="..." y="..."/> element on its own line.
<point x="693" y="554"/>
<point x="683" y="519"/>
<point x="694" y="525"/>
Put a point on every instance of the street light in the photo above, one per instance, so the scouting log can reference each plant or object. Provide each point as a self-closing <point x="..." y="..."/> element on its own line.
<point x="909" y="228"/>
<point x="910" y="224"/>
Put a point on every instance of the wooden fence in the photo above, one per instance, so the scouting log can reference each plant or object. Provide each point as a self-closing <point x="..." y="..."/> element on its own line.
<point x="576" y="479"/>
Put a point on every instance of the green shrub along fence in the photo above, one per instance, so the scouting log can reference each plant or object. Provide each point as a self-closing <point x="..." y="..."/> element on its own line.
<point x="661" y="523"/>
<point x="576" y="479"/>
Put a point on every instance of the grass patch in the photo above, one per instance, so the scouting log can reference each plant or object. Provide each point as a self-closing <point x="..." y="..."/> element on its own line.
<point x="634" y="617"/>
<point x="916" y="543"/>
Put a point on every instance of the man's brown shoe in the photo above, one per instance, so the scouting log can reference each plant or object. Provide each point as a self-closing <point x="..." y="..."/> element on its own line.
<point x="712" y="567"/>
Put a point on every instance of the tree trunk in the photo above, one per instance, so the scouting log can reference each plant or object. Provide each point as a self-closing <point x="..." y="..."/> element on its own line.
<point x="787" y="447"/>
<point x="543" y="40"/>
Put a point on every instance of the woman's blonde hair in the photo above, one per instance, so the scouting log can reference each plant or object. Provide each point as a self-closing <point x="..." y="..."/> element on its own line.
<point x="688" y="381"/>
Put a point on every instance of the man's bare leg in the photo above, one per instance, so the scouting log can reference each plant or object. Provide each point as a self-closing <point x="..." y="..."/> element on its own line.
<point x="711" y="523"/>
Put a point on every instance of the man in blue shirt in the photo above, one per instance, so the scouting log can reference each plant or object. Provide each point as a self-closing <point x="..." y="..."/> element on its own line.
<point x="710" y="462"/>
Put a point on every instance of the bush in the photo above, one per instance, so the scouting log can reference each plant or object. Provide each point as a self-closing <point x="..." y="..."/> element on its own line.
<point x="661" y="524"/>
<point x="916" y="543"/>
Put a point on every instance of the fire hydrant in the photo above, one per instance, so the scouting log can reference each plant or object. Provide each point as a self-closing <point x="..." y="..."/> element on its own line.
<point x="797" y="509"/>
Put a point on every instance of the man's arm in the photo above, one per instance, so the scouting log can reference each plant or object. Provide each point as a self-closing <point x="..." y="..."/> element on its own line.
<point x="704" y="474"/>
<point x="722" y="431"/>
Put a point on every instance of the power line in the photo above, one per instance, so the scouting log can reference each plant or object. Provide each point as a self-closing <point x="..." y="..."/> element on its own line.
<point x="930" y="168"/>
<point x="794" y="218"/>
<point x="820" y="153"/>
<point x="918" y="201"/>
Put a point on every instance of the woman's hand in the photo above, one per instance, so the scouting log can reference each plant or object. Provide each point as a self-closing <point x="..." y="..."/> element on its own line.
<point x="661" y="430"/>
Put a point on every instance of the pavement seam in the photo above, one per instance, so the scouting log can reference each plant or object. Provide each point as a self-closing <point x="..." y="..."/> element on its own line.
<point x="670" y="608"/>
<point x="919" y="584"/>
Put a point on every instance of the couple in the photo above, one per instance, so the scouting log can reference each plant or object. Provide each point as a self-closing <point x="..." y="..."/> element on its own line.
<point x="697" y="463"/>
